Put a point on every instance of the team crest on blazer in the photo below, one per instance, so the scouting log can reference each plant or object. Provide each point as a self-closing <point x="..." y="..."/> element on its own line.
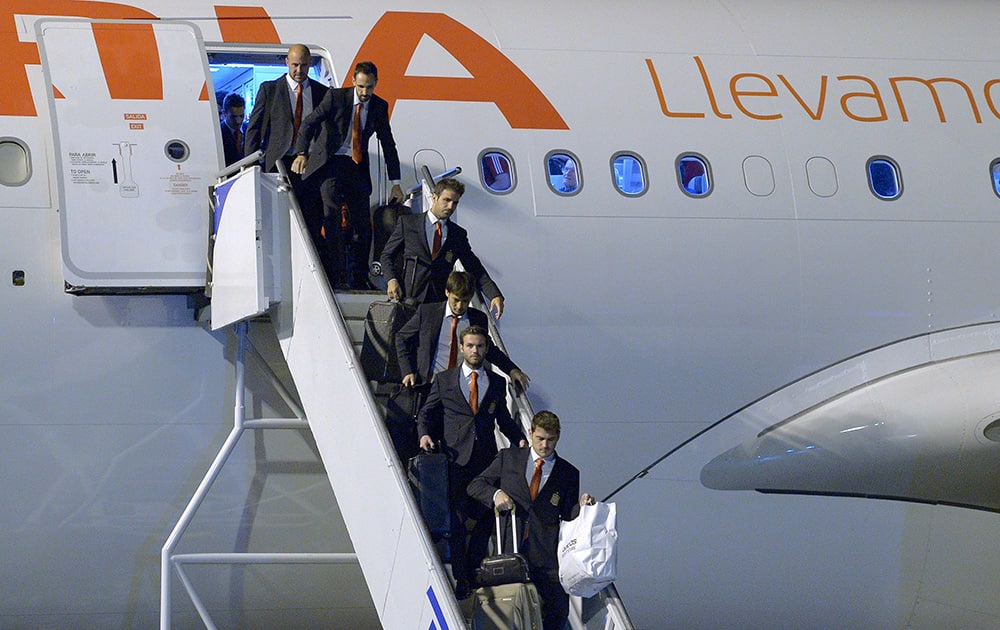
<point x="493" y="408"/>
<point x="449" y="256"/>
<point x="555" y="499"/>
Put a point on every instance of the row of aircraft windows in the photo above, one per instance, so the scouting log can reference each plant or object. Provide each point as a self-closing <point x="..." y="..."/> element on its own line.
<point x="694" y="174"/>
<point x="628" y="172"/>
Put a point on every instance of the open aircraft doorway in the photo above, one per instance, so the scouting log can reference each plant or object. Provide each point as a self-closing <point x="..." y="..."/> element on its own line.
<point x="242" y="70"/>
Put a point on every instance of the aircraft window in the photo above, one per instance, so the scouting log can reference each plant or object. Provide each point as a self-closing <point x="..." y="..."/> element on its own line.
<point x="15" y="162"/>
<point x="884" y="178"/>
<point x="693" y="175"/>
<point x="629" y="173"/>
<point x="565" y="176"/>
<point x="496" y="170"/>
<point x="995" y="173"/>
<point x="758" y="176"/>
<point x="177" y="150"/>
<point x="822" y="176"/>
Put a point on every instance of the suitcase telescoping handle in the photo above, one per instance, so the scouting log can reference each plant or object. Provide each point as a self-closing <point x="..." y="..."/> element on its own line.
<point x="513" y="530"/>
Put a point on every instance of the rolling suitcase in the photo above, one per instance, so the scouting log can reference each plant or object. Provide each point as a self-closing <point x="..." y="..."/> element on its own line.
<point x="383" y="223"/>
<point x="378" y="349"/>
<point x="504" y="568"/>
<point x="428" y="474"/>
<point x="514" y="605"/>
<point x="507" y="607"/>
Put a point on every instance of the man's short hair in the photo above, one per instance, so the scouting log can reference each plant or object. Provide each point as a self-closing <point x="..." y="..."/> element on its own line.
<point x="301" y="48"/>
<point x="546" y="420"/>
<point x="366" y="67"/>
<point x="461" y="285"/>
<point x="474" y="330"/>
<point x="449" y="183"/>
<point x="233" y="100"/>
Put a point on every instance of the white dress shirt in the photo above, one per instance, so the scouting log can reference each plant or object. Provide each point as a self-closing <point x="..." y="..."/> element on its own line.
<point x="430" y="228"/>
<point x="444" y="339"/>
<point x="482" y="383"/>
<point x="529" y="472"/>
<point x="307" y="96"/>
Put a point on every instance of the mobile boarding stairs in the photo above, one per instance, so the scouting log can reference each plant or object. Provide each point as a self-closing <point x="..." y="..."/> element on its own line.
<point x="266" y="273"/>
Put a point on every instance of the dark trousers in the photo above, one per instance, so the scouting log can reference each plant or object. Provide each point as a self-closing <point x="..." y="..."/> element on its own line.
<point x="555" y="601"/>
<point x="307" y="193"/>
<point x="347" y="234"/>
<point x="465" y="557"/>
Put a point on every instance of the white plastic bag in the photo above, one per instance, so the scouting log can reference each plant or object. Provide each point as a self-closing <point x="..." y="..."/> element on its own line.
<point x="587" y="556"/>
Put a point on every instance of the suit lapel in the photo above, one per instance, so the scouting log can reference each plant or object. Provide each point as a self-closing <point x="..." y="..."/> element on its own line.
<point x="521" y="464"/>
<point x="347" y="106"/>
<point x="435" y="317"/>
<point x="282" y="105"/>
<point x="318" y="92"/>
<point x="374" y="112"/>
<point x="422" y="235"/>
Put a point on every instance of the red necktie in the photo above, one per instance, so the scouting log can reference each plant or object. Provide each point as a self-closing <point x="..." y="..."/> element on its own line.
<point x="474" y="393"/>
<point x="437" y="240"/>
<point x="238" y="137"/>
<point x="453" y="350"/>
<point x="536" y="479"/>
<point x="356" y="135"/>
<point x="297" y="119"/>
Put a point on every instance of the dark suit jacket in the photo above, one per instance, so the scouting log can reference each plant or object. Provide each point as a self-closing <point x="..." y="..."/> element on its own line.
<point x="558" y="500"/>
<point x="270" y="125"/>
<point x="229" y="148"/>
<point x="447" y="418"/>
<point x="330" y="122"/>
<point x="430" y="275"/>
<point x="417" y="340"/>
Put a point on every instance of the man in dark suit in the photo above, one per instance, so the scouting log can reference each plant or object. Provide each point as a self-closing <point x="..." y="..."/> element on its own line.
<point x="275" y="123"/>
<point x="428" y="342"/>
<point x="463" y="408"/>
<point x="343" y="124"/>
<point x="542" y="489"/>
<point x="233" y="127"/>
<point x="409" y="254"/>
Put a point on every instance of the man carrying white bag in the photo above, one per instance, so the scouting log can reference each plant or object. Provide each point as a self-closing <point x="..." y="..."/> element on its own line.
<point x="587" y="550"/>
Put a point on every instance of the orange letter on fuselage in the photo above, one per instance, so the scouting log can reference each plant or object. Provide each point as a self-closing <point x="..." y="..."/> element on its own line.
<point x="495" y="79"/>
<point x="15" y="98"/>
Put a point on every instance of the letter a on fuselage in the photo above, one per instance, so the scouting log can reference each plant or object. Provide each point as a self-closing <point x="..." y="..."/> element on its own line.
<point x="495" y="79"/>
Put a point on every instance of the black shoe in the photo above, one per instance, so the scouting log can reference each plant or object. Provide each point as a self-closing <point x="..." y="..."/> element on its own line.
<point x="462" y="590"/>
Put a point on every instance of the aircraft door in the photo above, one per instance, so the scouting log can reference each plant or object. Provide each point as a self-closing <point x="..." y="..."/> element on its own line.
<point x="136" y="136"/>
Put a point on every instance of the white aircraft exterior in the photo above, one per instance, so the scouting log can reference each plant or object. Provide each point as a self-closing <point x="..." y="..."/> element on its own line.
<point x="815" y="319"/>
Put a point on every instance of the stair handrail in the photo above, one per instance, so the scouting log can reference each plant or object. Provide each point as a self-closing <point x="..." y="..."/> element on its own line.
<point x="381" y="431"/>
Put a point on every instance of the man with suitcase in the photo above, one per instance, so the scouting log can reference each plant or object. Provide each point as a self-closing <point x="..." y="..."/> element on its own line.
<point x="464" y="406"/>
<point x="542" y="489"/>
<point x="430" y="244"/>
<point x="428" y="342"/>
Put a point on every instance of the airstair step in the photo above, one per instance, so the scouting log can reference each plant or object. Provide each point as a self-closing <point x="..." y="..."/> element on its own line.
<point x="354" y="304"/>
<point x="276" y="423"/>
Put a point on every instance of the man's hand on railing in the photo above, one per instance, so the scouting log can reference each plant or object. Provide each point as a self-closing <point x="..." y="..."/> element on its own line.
<point x="299" y="164"/>
<point x="496" y="305"/>
<point x="520" y="379"/>
<point x="393" y="290"/>
<point x="396" y="195"/>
